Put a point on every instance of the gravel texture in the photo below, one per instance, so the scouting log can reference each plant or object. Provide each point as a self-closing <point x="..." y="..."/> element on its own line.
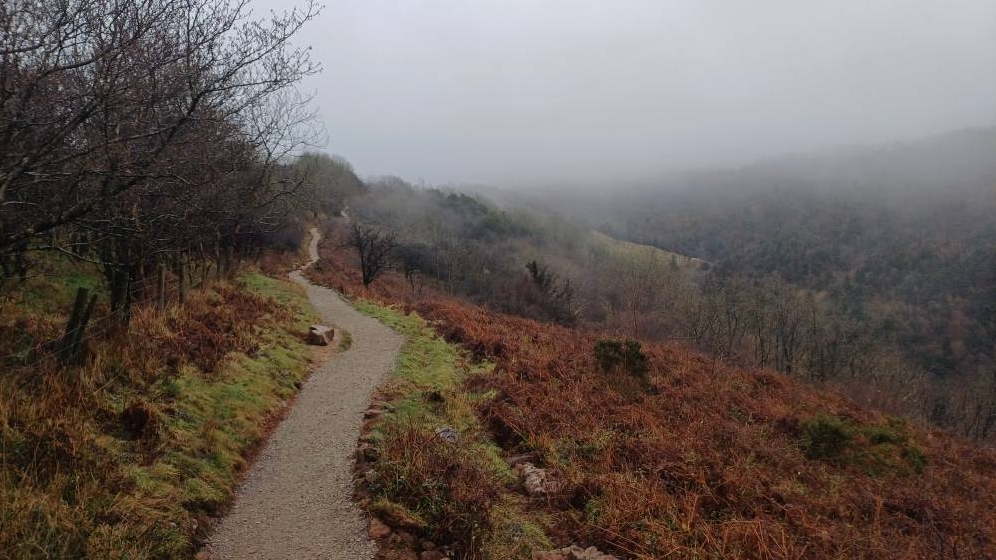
<point x="297" y="499"/>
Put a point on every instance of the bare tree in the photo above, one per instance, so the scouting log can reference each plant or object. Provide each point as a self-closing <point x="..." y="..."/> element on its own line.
<point x="135" y="130"/>
<point x="374" y="247"/>
<point x="414" y="260"/>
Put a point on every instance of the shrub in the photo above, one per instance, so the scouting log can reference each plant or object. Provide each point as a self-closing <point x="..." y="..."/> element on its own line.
<point x="895" y="432"/>
<point x="613" y="355"/>
<point x="826" y="438"/>
<point x="915" y="457"/>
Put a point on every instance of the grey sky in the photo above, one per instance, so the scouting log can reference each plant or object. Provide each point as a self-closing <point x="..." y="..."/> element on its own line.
<point x="537" y="91"/>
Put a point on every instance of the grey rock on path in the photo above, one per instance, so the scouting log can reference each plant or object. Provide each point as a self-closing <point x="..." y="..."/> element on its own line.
<point x="296" y="502"/>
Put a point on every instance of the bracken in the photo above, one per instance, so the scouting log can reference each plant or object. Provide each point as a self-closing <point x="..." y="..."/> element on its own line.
<point x="713" y="461"/>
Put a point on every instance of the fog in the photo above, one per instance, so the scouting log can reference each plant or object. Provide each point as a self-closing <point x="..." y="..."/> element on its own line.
<point x="515" y="93"/>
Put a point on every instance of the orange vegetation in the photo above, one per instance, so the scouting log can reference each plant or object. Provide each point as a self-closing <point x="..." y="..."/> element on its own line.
<point x="702" y="460"/>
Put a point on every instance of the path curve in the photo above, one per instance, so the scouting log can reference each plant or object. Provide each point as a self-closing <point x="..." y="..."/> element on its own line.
<point x="296" y="502"/>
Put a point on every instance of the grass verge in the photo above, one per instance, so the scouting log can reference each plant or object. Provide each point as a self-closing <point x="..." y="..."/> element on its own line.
<point x="450" y="492"/>
<point x="127" y="456"/>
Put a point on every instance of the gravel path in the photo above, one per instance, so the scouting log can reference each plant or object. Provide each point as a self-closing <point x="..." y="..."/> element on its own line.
<point x="297" y="499"/>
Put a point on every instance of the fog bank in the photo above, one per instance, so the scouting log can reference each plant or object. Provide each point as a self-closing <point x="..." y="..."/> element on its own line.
<point x="523" y="92"/>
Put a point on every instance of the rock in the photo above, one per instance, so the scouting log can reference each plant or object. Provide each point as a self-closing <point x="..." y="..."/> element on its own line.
<point x="399" y="517"/>
<point x="203" y="555"/>
<point x="407" y="539"/>
<point x="363" y="451"/>
<point x="448" y="434"/>
<point x="428" y="545"/>
<point x="573" y="552"/>
<point x="551" y="555"/>
<point x="370" y="453"/>
<point x="537" y="481"/>
<point x="372" y="412"/>
<point x="320" y="335"/>
<point x="377" y="529"/>
<point x="433" y="555"/>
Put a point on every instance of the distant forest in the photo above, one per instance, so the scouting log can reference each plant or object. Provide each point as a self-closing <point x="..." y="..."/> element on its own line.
<point x="900" y="240"/>
<point x="873" y="270"/>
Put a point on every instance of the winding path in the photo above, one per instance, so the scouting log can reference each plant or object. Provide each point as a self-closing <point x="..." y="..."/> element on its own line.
<point x="296" y="502"/>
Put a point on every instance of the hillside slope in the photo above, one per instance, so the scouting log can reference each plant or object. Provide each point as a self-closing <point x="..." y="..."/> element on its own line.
<point x="661" y="452"/>
<point x="896" y="242"/>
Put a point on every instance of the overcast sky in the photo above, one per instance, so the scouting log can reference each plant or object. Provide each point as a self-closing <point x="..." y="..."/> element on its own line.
<point x="538" y="91"/>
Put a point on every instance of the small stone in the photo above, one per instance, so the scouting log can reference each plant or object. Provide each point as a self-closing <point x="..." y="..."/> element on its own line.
<point x="407" y="539"/>
<point x="361" y="453"/>
<point x="551" y="555"/>
<point x="320" y="335"/>
<point x="372" y="412"/>
<point x="593" y="553"/>
<point x="377" y="529"/>
<point x="433" y="555"/>
<point x="371" y="453"/>
<point x="448" y="434"/>
<point x="537" y="481"/>
<point x="202" y="555"/>
<point x="401" y="518"/>
<point x="428" y="545"/>
<point x="573" y="552"/>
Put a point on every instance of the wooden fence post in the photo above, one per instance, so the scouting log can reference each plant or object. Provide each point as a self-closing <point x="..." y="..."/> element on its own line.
<point x="66" y="346"/>
<point x="72" y="340"/>
<point x="161" y="286"/>
<point x="181" y="279"/>
<point x="81" y="329"/>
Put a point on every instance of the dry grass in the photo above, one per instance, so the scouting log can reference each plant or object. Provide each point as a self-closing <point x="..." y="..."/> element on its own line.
<point x="710" y="461"/>
<point x="129" y="454"/>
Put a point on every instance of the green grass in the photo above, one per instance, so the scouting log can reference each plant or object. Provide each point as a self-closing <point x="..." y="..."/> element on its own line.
<point x="428" y="391"/>
<point x="53" y="285"/>
<point x="219" y="417"/>
<point x="627" y="250"/>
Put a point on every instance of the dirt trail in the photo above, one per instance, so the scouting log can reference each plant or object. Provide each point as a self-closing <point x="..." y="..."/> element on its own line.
<point x="296" y="502"/>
